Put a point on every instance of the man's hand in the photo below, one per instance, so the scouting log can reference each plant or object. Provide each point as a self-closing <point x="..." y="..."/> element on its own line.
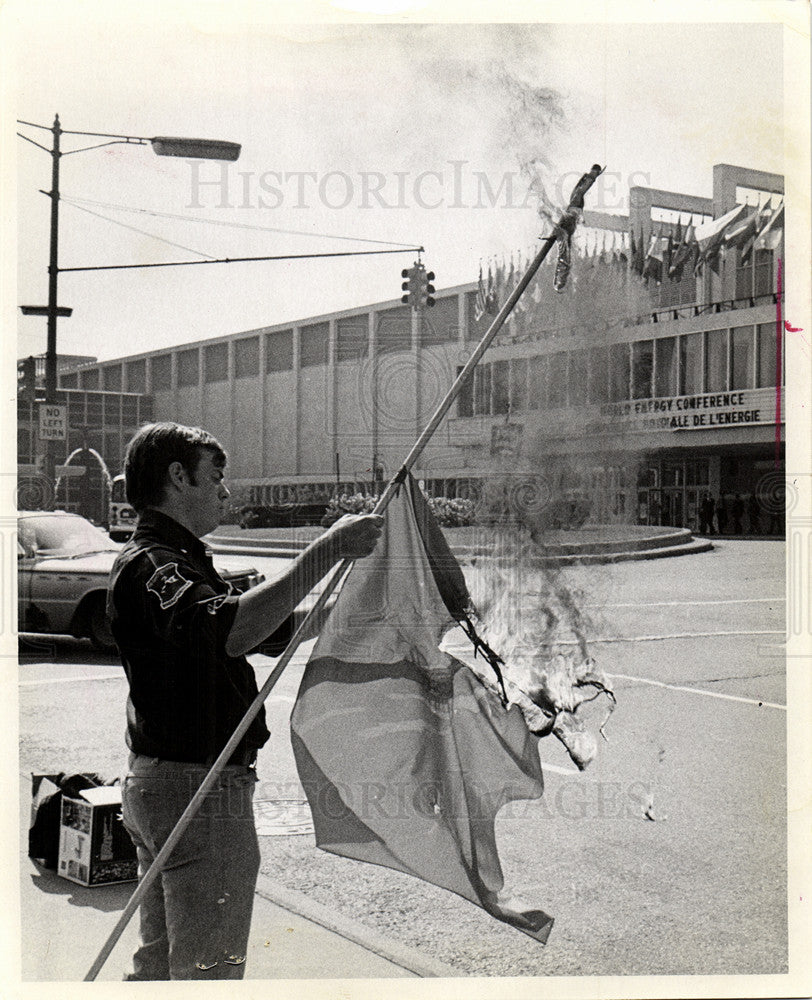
<point x="355" y="535"/>
<point x="262" y="609"/>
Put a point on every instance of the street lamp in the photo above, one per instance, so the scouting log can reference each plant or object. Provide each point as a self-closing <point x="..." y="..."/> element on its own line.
<point x="207" y="149"/>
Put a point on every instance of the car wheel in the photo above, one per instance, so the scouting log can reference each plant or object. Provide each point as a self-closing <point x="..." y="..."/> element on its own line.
<point x="98" y="625"/>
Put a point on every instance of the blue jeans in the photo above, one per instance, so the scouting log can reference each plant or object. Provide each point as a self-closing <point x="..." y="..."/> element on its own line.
<point x="196" y="916"/>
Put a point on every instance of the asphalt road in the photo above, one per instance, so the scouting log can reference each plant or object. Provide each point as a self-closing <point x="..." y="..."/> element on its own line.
<point x="698" y="740"/>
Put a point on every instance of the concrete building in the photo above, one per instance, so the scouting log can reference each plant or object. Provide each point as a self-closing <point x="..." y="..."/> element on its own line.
<point x="641" y="396"/>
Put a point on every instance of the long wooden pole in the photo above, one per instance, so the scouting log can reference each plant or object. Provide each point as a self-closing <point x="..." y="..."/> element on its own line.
<point x="565" y="228"/>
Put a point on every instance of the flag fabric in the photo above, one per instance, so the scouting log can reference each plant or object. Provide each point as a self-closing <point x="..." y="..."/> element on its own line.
<point x="682" y="254"/>
<point x="737" y="234"/>
<point x="771" y="235"/>
<point x="491" y="294"/>
<point x="763" y="216"/>
<point x="710" y="237"/>
<point x="655" y="256"/>
<point x="405" y="755"/>
<point x="480" y="305"/>
<point x="564" y="262"/>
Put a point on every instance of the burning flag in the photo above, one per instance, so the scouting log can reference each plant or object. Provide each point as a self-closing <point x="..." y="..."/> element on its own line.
<point x="405" y="755"/>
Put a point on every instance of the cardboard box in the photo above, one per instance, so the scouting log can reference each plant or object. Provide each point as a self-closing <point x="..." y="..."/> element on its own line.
<point x="94" y="847"/>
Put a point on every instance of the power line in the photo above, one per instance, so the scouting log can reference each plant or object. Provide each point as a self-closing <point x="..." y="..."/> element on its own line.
<point x="135" y="229"/>
<point x="232" y="225"/>
<point x="241" y="260"/>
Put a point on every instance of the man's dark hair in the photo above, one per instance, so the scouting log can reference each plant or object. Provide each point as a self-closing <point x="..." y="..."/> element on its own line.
<point x="154" y="448"/>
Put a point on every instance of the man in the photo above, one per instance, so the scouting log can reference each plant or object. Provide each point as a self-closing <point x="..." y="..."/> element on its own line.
<point x="183" y="638"/>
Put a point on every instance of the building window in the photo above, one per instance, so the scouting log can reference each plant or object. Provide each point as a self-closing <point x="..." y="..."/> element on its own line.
<point x="755" y="278"/>
<point x="741" y="357"/>
<point x="598" y="376"/>
<point x="112" y="409"/>
<point x="518" y="383"/>
<point x="279" y="351"/>
<point x="90" y="378"/>
<point x="146" y="412"/>
<point x="394" y="330"/>
<point x="642" y="369"/>
<point x="69" y="381"/>
<point x="482" y="390"/>
<point x="129" y="409"/>
<point x="162" y="373"/>
<point x="579" y="378"/>
<point x="137" y="376"/>
<point x="767" y="355"/>
<point x="667" y="369"/>
<point x="440" y="324"/>
<point x="500" y="390"/>
<point x="763" y="272"/>
<point x="313" y="344"/>
<point x="537" y="383"/>
<point x="716" y="361"/>
<point x="246" y="357"/>
<point x="690" y="363"/>
<point x="619" y="370"/>
<point x="112" y="378"/>
<point x="189" y="367"/>
<point x="93" y="412"/>
<point x="352" y="338"/>
<point x="557" y="380"/>
<point x="465" y="399"/>
<point x="215" y="362"/>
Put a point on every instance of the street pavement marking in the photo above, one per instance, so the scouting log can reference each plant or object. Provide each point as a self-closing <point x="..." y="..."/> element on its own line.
<point x="709" y="694"/>
<point x="558" y="770"/>
<point x="673" y="635"/>
<point x="68" y="680"/>
<point x="691" y="604"/>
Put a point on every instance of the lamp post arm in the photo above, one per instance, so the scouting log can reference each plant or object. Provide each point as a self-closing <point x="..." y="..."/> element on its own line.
<point x="113" y="142"/>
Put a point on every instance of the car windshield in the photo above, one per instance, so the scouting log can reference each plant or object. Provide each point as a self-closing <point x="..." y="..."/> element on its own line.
<point x="54" y="535"/>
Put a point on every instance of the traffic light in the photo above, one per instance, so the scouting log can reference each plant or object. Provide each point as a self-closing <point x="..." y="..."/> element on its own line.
<point x="406" y="286"/>
<point x="26" y="378"/>
<point x="418" y="287"/>
<point x="429" y="289"/>
<point x="412" y="286"/>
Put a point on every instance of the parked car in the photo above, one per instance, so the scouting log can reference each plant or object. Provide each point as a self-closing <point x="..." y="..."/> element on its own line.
<point x="63" y="562"/>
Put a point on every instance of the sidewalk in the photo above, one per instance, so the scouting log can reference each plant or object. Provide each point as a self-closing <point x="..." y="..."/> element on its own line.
<point x="64" y="926"/>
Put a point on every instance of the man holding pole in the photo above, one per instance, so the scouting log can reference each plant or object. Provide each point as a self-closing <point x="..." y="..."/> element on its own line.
<point x="183" y="639"/>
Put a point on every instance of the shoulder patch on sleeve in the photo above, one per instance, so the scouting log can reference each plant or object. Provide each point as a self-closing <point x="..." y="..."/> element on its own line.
<point x="168" y="584"/>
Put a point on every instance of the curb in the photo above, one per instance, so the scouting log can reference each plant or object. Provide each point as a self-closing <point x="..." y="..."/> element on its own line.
<point x="399" y="954"/>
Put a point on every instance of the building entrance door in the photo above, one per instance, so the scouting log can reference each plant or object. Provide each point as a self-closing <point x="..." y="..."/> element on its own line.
<point x="673" y="507"/>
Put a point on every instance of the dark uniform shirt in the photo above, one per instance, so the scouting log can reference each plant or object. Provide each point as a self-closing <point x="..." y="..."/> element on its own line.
<point x="171" y="614"/>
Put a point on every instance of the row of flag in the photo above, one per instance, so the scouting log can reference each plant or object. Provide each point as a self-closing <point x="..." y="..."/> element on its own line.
<point x="497" y="282"/>
<point x="694" y="247"/>
<point x="684" y="249"/>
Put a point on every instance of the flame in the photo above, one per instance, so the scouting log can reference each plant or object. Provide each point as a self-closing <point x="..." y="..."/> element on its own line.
<point x="530" y="617"/>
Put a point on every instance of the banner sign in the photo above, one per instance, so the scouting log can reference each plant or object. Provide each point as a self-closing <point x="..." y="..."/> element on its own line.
<point x="707" y="411"/>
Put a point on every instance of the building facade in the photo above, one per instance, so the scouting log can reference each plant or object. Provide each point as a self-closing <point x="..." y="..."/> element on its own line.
<point x="643" y="387"/>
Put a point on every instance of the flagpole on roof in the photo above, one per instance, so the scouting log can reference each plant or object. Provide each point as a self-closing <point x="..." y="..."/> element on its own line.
<point x="562" y="231"/>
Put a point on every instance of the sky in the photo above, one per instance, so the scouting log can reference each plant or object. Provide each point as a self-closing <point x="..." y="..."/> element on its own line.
<point x="408" y="134"/>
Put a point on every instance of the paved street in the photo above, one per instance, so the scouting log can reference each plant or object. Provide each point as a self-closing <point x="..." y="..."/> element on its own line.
<point x="698" y="739"/>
